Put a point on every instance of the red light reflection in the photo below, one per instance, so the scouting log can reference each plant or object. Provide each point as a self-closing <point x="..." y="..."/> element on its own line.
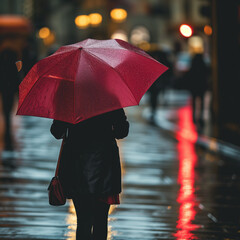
<point x="187" y="136"/>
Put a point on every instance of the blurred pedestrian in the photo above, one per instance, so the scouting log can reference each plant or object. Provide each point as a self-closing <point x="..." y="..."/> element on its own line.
<point x="90" y="170"/>
<point x="8" y="87"/>
<point x="197" y="80"/>
<point x="160" y="85"/>
<point x="29" y="55"/>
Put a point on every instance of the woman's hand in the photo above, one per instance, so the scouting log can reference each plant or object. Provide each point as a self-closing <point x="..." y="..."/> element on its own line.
<point x="59" y="129"/>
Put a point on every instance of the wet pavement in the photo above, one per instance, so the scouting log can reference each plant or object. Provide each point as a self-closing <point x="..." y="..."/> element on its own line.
<point x="171" y="189"/>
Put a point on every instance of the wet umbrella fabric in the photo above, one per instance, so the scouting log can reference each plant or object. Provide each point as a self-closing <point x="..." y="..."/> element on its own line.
<point x="86" y="79"/>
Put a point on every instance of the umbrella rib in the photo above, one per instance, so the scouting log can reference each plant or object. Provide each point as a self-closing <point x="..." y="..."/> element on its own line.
<point x="138" y="49"/>
<point x="36" y="83"/>
<point x="114" y="71"/>
<point x="53" y="65"/>
<point x="57" y="54"/>
<point x="74" y="94"/>
<point x="122" y="48"/>
<point x="19" y="107"/>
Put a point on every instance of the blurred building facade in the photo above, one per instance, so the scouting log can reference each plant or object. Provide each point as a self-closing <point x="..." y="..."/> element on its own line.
<point x="226" y="69"/>
<point x="161" y="18"/>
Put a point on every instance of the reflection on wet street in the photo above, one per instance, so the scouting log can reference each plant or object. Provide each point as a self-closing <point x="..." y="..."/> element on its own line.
<point x="24" y="178"/>
<point x="186" y="177"/>
<point x="171" y="189"/>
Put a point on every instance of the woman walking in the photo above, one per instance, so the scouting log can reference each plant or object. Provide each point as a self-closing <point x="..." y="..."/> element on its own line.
<point x="90" y="170"/>
<point x="198" y="77"/>
<point x="77" y="82"/>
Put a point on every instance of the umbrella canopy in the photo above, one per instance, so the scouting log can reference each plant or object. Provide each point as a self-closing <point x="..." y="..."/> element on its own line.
<point x="86" y="79"/>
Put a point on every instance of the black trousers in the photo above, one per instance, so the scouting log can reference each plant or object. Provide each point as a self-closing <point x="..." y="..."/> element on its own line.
<point x="92" y="218"/>
<point x="201" y="98"/>
<point x="8" y="102"/>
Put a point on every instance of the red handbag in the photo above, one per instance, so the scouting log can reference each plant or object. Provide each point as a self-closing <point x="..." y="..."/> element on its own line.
<point x="55" y="191"/>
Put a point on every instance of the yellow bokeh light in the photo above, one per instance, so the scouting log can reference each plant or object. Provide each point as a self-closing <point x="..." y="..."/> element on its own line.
<point x="120" y="34"/>
<point x="82" y="21"/>
<point x="44" y="32"/>
<point x="145" y="46"/>
<point x="208" y="30"/>
<point x="50" y="39"/>
<point x="95" y="19"/>
<point x="196" y="45"/>
<point x="186" y="30"/>
<point x="118" y="14"/>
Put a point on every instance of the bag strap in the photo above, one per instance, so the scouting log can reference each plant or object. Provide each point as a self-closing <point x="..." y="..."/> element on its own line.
<point x="60" y="153"/>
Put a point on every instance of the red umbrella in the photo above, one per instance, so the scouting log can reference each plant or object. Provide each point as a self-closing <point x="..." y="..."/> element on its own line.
<point x="86" y="79"/>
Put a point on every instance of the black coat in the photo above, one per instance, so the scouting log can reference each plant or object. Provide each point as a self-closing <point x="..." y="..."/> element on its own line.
<point x="90" y="162"/>
<point x="9" y="79"/>
<point x="197" y="76"/>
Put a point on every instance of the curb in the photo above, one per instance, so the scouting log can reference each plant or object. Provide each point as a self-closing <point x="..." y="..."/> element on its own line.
<point x="211" y="144"/>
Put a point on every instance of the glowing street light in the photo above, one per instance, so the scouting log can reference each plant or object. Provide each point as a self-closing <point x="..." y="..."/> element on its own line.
<point x="50" y="39"/>
<point x="95" y="19"/>
<point x="82" y="21"/>
<point x="139" y="34"/>
<point x="118" y="14"/>
<point x="208" y="30"/>
<point x="196" y="44"/>
<point x="145" y="46"/>
<point x="186" y="30"/>
<point x="120" y="34"/>
<point x="44" y="32"/>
